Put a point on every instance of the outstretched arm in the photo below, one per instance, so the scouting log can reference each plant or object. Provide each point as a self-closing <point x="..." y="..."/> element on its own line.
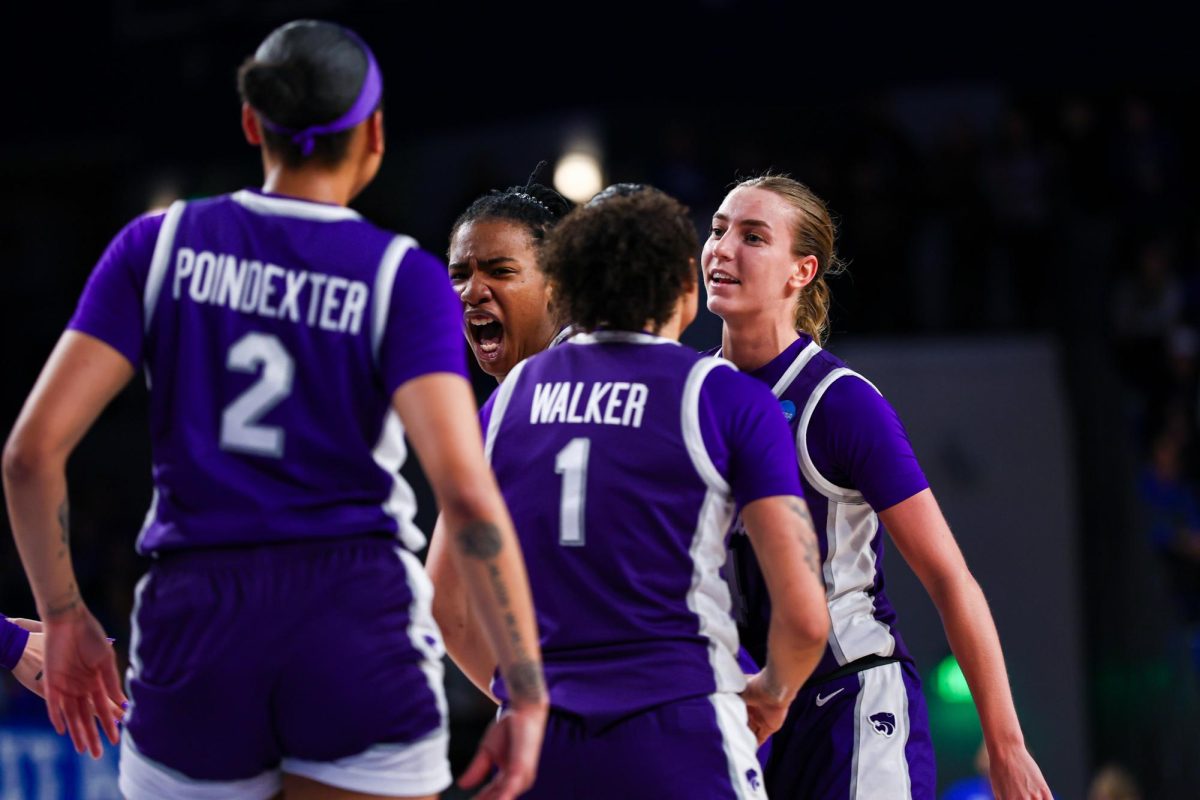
<point x="438" y="412"/>
<point x="781" y="532"/>
<point x="80" y="378"/>
<point x="924" y="539"/>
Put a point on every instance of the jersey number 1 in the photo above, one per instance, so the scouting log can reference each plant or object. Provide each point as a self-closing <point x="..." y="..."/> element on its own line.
<point x="239" y="423"/>
<point x="571" y="462"/>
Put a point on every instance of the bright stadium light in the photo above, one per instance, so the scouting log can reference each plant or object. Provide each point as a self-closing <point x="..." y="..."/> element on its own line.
<point x="577" y="176"/>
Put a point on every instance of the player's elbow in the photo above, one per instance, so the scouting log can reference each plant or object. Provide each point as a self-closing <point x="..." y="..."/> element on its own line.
<point x="807" y="623"/>
<point x="24" y="460"/>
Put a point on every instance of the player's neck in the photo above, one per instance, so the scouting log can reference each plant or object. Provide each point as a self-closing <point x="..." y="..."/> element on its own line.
<point x="320" y="186"/>
<point x="749" y="344"/>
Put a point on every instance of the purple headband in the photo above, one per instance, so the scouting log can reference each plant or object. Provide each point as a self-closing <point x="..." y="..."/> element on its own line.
<point x="366" y="103"/>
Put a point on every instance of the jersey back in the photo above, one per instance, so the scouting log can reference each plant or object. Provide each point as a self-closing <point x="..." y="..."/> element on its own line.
<point x="272" y="339"/>
<point x="598" y="450"/>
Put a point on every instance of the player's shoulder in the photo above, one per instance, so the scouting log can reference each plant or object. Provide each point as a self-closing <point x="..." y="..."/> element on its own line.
<point x="723" y="382"/>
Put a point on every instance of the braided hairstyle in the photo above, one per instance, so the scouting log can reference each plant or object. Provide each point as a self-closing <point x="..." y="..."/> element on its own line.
<point x="535" y="207"/>
<point x="304" y="73"/>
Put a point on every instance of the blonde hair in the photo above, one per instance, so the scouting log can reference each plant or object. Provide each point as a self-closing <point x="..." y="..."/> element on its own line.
<point x="813" y="234"/>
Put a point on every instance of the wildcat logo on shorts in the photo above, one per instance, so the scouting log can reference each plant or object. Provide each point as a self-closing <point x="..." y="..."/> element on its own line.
<point x="884" y="723"/>
<point x="752" y="778"/>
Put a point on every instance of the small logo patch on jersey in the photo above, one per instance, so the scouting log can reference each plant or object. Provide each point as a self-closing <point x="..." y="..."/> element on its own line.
<point x="752" y="778"/>
<point x="823" y="700"/>
<point x="884" y="723"/>
<point x="789" y="409"/>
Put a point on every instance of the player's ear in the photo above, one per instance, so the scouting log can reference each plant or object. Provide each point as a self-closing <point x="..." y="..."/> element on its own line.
<point x="375" y="133"/>
<point x="250" y="125"/>
<point x="803" y="272"/>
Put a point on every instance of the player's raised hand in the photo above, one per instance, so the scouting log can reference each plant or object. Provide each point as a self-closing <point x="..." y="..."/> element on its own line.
<point x="511" y="745"/>
<point x="80" y="677"/>
<point x="764" y="707"/>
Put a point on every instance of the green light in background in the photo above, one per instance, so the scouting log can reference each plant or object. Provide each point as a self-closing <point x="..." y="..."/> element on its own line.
<point x="949" y="684"/>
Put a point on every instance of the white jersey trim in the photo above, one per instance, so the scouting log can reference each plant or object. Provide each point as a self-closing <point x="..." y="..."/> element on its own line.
<point x="293" y="207"/>
<point x="160" y="262"/>
<point x="799" y="363"/>
<point x="849" y="572"/>
<point x="390" y="453"/>
<point x="620" y="337"/>
<point x="503" y="396"/>
<point x="708" y="596"/>
<point x="814" y="476"/>
<point x="385" y="278"/>
<point x="562" y="336"/>
<point x="693" y="437"/>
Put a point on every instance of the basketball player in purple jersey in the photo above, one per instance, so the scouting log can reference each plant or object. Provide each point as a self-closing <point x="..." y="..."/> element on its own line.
<point x="507" y="316"/>
<point x="859" y="728"/>
<point x="282" y="637"/>
<point x="622" y="477"/>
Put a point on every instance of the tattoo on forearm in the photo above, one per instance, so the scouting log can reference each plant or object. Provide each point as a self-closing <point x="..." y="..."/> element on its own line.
<point x="64" y="517"/>
<point x="68" y="602"/>
<point x="524" y="681"/>
<point x="479" y="539"/>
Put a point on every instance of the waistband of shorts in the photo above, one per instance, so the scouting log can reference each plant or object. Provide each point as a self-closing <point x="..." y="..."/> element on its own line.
<point x="853" y="668"/>
<point x="258" y="552"/>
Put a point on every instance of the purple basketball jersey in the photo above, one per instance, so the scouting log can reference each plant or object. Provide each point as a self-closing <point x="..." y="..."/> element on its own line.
<point x="621" y="457"/>
<point x="273" y="332"/>
<point x="855" y="459"/>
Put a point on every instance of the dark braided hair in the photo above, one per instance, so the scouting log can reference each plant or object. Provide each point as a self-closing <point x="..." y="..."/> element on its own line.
<point x="304" y="73"/>
<point x="535" y="207"/>
<point x="623" y="261"/>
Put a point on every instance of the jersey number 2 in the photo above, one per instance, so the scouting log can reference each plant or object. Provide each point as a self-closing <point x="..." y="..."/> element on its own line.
<point x="571" y="462"/>
<point x="239" y="423"/>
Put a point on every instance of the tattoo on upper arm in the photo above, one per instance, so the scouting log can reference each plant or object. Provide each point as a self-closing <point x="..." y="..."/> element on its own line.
<point x="812" y="553"/>
<point x="800" y="509"/>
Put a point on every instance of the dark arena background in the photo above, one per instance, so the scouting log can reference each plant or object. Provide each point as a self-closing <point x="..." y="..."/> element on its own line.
<point x="1018" y="193"/>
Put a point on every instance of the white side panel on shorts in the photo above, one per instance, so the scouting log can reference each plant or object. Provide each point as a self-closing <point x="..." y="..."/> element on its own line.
<point x="745" y="773"/>
<point x="879" y="769"/>
<point x="143" y="779"/>
<point x="407" y="769"/>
